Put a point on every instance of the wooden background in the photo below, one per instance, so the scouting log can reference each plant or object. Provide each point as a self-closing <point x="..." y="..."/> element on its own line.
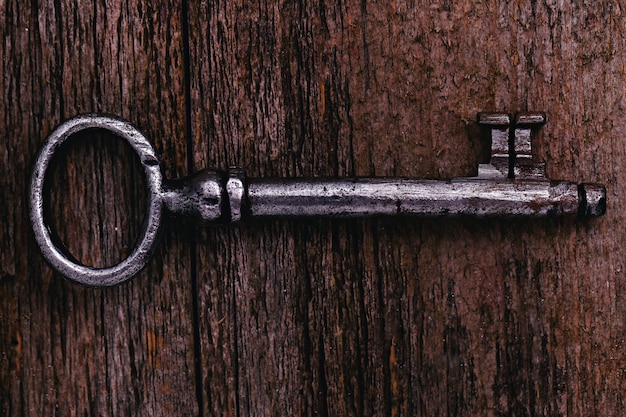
<point x="381" y="317"/>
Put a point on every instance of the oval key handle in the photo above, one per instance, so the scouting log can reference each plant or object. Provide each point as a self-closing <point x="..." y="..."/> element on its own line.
<point x="56" y="255"/>
<point x="510" y="185"/>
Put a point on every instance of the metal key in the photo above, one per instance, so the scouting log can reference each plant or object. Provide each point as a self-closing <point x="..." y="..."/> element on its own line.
<point x="510" y="185"/>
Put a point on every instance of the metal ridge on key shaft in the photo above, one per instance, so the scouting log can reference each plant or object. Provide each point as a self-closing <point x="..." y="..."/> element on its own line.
<point x="510" y="185"/>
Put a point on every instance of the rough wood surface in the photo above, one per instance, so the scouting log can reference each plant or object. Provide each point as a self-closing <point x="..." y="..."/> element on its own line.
<point x="376" y="317"/>
<point x="67" y="350"/>
<point x="316" y="317"/>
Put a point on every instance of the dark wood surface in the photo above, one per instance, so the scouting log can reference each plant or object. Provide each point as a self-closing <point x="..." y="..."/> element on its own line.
<point x="390" y="317"/>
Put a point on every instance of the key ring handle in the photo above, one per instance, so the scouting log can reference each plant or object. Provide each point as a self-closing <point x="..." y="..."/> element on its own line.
<point x="56" y="255"/>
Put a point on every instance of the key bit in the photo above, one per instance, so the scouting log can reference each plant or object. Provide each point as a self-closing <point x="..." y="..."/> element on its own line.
<point x="525" y="125"/>
<point x="499" y="127"/>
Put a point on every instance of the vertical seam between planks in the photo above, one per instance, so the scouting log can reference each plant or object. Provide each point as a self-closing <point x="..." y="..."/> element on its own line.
<point x="197" y="345"/>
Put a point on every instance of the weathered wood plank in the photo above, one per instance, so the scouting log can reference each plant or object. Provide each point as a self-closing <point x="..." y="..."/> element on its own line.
<point x="68" y="350"/>
<point x="445" y="317"/>
<point x="372" y="317"/>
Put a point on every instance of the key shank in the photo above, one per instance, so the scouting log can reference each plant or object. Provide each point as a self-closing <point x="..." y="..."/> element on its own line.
<point x="209" y="196"/>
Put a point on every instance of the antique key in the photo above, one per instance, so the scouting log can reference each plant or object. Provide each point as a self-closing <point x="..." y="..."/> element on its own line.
<point x="510" y="185"/>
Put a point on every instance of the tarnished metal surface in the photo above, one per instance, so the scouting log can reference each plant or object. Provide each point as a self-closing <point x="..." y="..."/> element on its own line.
<point x="235" y="188"/>
<point x="510" y="185"/>
<point x="524" y="166"/>
<point x="498" y="124"/>
<point x="200" y="195"/>
<point x="376" y="196"/>
<point x="592" y="199"/>
<point x="148" y="239"/>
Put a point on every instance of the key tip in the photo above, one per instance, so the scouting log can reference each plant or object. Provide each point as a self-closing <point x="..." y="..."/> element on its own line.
<point x="592" y="200"/>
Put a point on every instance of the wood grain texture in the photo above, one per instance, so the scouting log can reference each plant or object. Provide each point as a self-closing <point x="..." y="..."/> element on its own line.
<point x="436" y="317"/>
<point x="68" y="350"/>
<point x="315" y="317"/>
